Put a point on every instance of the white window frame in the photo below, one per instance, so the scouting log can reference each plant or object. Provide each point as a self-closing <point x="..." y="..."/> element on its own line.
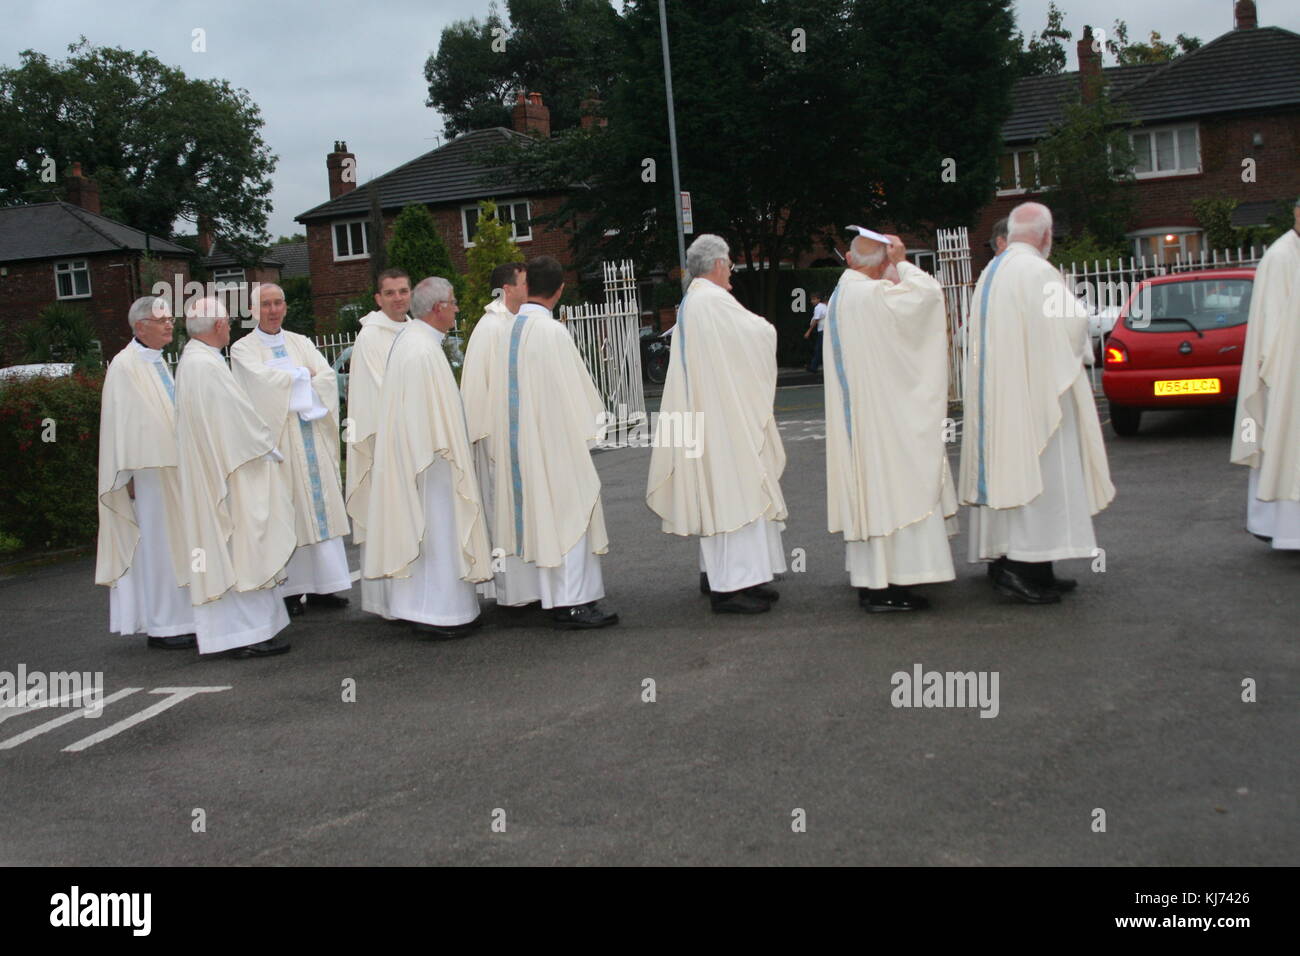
<point x="1019" y="189"/>
<point x="70" y="268"/>
<point x="514" y="233"/>
<point x="228" y="277"/>
<point x="1180" y="166"/>
<point x="365" y="239"/>
<point x="1139" y="237"/>
<point x="914" y="257"/>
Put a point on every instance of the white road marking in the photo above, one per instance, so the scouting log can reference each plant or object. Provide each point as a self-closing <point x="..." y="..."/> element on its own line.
<point x="49" y="725"/>
<point x="178" y="694"/>
<point x="20" y="706"/>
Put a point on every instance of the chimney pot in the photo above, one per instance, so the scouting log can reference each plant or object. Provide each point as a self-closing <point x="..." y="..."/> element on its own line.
<point x="341" y="167"/>
<point x="1245" y="16"/>
<point x="81" y="190"/>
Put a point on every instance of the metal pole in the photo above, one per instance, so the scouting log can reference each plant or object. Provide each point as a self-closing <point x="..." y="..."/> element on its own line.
<point x="672" y="143"/>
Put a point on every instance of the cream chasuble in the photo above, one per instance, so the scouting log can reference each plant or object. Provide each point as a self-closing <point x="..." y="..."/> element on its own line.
<point x="276" y="372"/>
<point x="1031" y="439"/>
<point x="889" y="487"/>
<point x="1267" y="433"/>
<point x="141" y="542"/>
<point x="236" y="505"/>
<point x="515" y="582"/>
<point x="365" y="379"/>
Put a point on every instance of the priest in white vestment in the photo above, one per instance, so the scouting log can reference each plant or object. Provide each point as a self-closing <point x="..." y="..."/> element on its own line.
<point x="1033" y="465"/>
<point x="365" y="379"/>
<point x="1267" y="436"/>
<point x="725" y="485"/>
<point x="426" y="534"/>
<point x="141" y="554"/>
<point x="889" y="488"/>
<point x="515" y="583"/>
<point x="296" y="392"/>
<point x="236" y="505"/>
<point x="546" y="498"/>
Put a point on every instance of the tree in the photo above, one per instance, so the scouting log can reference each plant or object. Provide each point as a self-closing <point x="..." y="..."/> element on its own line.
<point x="160" y="146"/>
<point x="286" y="240"/>
<point x="417" y="249"/>
<point x="1043" y="54"/>
<point x="61" y="333"/>
<point x="565" y="49"/>
<point x="492" y="247"/>
<point x="1088" y="161"/>
<point x="794" y="119"/>
<point x="1154" y="51"/>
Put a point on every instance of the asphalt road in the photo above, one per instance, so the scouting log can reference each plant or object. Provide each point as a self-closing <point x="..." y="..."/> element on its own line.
<point x="1125" y="698"/>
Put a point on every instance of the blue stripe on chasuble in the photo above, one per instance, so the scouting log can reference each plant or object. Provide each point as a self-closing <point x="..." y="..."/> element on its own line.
<point x="516" y="476"/>
<point x="839" y="363"/>
<point x="981" y="486"/>
<point x="313" y="466"/>
<point x="161" y="368"/>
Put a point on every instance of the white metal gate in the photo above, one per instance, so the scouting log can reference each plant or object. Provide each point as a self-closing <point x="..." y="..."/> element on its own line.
<point x="608" y="338"/>
<point x="957" y="281"/>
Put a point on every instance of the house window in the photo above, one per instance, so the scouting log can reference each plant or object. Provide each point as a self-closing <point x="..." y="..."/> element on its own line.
<point x="1166" y="246"/>
<point x="1167" y="151"/>
<point x="351" y="240"/>
<point x="517" y="214"/>
<point x="922" y="259"/>
<point x="72" y="279"/>
<point x="1018" y="171"/>
<point x="227" y="277"/>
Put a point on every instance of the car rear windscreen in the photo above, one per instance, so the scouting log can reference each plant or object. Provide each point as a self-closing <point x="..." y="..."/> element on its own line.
<point x="1202" y="304"/>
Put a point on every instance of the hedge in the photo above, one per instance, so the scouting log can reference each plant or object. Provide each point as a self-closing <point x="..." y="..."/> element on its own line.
<point x="49" y="457"/>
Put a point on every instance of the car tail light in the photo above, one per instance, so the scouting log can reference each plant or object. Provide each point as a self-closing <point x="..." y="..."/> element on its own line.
<point x="1116" y="354"/>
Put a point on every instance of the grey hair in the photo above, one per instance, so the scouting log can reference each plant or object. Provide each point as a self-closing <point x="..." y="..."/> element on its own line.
<point x="429" y="293"/>
<point x="201" y="315"/>
<point x="1028" y="222"/>
<point x="868" y="259"/>
<point x="144" y="308"/>
<point x="704" y="252"/>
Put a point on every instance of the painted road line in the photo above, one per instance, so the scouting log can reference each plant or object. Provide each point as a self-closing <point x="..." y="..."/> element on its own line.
<point x="49" y="725"/>
<point x="22" y="707"/>
<point x="178" y="694"/>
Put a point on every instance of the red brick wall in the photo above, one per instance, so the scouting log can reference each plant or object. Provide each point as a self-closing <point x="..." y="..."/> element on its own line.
<point x="114" y="284"/>
<point x="1167" y="200"/>
<point x="335" y="283"/>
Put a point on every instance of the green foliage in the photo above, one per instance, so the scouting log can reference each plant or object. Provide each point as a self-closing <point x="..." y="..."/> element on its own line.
<point x="286" y="240"/>
<point x="791" y="347"/>
<point x="1086" y="248"/>
<point x="1154" y="51"/>
<point x="1088" y="160"/>
<point x="160" y="146"/>
<point x="50" y="486"/>
<point x="61" y="333"/>
<point x="1042" y="54"/>
<point x="492" y="247"/>
<point x="564" y="49"/>
<point x="417" y="248"/>
<point x="349" y="316"/>
<point x="778" y="145"/>
<point x="297" y="297"/>
<point x="1215" y="216"/>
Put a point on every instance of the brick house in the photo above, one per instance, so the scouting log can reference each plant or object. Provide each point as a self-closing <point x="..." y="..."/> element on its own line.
<point x="450" y="181"/>
<point x="67" y="252"/>
<point x="1200" y="116"/>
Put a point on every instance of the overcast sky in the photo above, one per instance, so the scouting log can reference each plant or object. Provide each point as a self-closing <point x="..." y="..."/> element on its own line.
<point x="322" y="70"/>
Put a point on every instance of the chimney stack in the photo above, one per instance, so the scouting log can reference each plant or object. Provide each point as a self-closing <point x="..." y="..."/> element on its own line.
<point x="205" y="240"/>
<point x="1244" y="15"/>
<point x="531" y="115"/>
<point x="342" y="167"/>
<point x="82" y="191"/>
<point x="1089" y="67"/>
<point x="590" y="108"/>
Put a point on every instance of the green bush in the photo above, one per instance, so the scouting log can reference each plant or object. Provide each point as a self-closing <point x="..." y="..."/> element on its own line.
<point x="791" y="347"/>
<point x="50" y="485"/>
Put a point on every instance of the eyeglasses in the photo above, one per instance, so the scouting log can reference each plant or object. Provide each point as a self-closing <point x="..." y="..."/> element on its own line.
<point x="167" y="321"/>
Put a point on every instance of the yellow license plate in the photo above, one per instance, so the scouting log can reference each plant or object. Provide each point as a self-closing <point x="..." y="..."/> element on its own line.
<point x="1189" y="386"/>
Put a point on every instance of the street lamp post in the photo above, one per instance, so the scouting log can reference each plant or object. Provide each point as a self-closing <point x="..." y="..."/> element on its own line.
<point x="672" y="143"/>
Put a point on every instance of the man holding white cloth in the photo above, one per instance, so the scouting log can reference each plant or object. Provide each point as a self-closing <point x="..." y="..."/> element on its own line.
<point x="727" y="488"/>
<point x="296" y="393"/>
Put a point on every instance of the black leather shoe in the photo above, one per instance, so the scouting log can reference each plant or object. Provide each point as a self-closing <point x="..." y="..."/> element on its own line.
<point x="738" y="602"/>
<point x="327" y="600"/>
<point x="582" y="617"/>
<point x="267" y="648"/>
<point x="179" y="642"/>
<point x="892" y="598"/>
<point x="1014" y="585"/>
<point x="294" y="606"/>
<point x="439" y="632"/>
<point x="762" y="591"/>
<point x="1062" y="585"/>
<point x="704" y="583"/>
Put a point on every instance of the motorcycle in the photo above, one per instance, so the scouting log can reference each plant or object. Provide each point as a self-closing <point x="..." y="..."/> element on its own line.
<point x="655" y="352"/>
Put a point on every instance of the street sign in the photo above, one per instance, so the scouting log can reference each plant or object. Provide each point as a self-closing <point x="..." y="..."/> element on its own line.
<point x="688" y="226"/>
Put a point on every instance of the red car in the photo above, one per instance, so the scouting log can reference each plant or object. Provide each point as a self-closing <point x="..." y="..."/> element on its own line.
<point x="1177" y="344"/>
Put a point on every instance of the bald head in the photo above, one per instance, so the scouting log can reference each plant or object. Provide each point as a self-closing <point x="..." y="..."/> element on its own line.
<point x="866" y="253"/>
<point x="1031" y="222"/>
<point x="206" y="320"/>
